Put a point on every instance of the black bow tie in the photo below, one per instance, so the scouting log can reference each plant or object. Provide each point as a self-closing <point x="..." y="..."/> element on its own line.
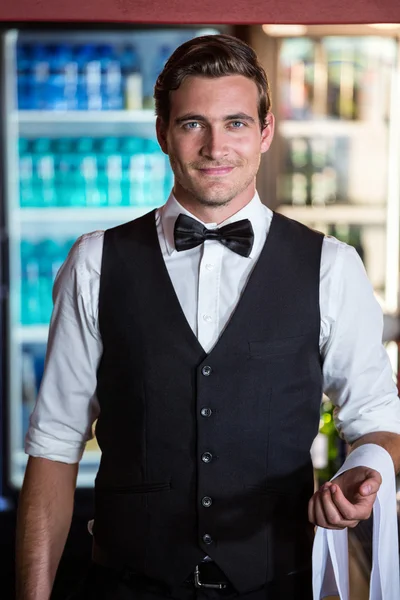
<point x="238" y="237"/>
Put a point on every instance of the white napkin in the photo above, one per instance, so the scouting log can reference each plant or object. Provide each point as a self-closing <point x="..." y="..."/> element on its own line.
<point x="330" y="551"/>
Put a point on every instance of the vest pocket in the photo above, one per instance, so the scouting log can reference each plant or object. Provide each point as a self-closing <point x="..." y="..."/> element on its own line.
<point x="139" y="488"/>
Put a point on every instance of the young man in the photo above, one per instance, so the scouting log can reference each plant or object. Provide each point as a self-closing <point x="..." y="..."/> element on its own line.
<point x="202" y="337"/>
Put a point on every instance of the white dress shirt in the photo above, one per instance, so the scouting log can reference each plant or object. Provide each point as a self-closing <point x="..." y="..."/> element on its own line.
<point x="208" y="281"/>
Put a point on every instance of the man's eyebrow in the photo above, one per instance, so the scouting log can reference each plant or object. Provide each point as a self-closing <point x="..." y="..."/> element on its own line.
<point x="235" y="117"/>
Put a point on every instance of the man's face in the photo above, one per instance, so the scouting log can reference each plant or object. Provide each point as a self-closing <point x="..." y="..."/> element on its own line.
<point x="214" y="139"/>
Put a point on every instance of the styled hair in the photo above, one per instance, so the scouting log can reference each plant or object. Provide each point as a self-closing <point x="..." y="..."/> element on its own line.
<point x="211" y="56"/>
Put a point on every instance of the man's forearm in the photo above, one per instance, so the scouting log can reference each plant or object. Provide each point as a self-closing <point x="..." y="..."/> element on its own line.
<point x="389" y="441"/>
<point x="44" y="518"/>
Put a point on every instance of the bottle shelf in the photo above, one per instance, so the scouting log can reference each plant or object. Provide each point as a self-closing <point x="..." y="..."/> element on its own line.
<point x="32" y="123"/>
<point x="32" y="334"/>
<point x="83" y="215"/>
<point x="82" y="116"/>
<point x="329" y="128"/>
<point x="336" y="214"/>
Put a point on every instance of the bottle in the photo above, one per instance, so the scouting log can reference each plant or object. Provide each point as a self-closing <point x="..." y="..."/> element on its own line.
<point x="24" y="76"/>
<point x="86" y="191"/>
<point x="64" y="179"/>
<point x="297" y="60"/>
<point x="325" y="452"/>
<point x="45" y="193"/>
<point x="93" y="79"/>
<point x="51" y="253"/>
<point x="81" y="55"/>
<point x="40" y="77"/>
<point x="162" y="56"/>
<point x="156" y="171"/>
<point x="62" y="78"/>
<point x="113" y="171"/>
<point x="129" y="147"/>
<point x="111" y="78"/>
<point x="132" y="79"/>
<point x="30" y="296"/>
<point x="26" y="196"/>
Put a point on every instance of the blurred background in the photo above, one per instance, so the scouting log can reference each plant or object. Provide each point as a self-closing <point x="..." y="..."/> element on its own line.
<point x="78" y="153"/>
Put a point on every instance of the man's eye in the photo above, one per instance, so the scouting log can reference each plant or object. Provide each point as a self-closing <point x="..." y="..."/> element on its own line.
<point x="191" y="125"/>
<point x="237" y="124"/>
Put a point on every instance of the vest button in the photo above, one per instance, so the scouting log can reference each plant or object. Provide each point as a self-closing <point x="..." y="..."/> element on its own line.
<point x="206" y="501"/>
<point x="207" y="539"/>
<point x="206" y="457"/>
<point x="206" y="371"/>
<point x="206" y="412"/>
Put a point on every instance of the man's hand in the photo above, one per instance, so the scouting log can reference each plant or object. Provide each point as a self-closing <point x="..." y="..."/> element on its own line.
<point x="346" y="500"/>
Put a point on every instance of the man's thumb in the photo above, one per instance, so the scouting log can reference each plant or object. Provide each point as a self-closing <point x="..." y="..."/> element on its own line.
<point x="370" y="486"/>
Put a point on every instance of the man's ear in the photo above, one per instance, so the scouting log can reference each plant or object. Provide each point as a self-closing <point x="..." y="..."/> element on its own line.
<point x="161" y="130"/>
<point x="267" y="133"/>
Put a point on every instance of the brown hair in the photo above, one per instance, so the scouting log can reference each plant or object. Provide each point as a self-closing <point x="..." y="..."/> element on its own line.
<point x="211" y="56"/>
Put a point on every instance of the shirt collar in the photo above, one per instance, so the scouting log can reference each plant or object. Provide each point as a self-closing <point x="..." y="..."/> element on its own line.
<point x="254" y="211"/>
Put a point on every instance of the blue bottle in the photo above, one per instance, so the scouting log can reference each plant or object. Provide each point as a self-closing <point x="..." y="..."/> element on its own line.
<point x="44" y="173"/>
<point x="25" y="172"/>
<point x="156" y="173"/>
<point x="51" y="256"/>
<point x="30" y="285"/>
<point x="132" y="78"/>
<point x="93" y="79"/>
<point x="40" y="77"/>
<point x="162" y="56"/>
<point x="112" y="160"/>
<point x="111" y="78"/>
<point x="24" y="76"/>
<point x="81" y="56"/>
<point x="62" y="78"/>
<point x="129" y="147"/>
<point x="63" y="181"/>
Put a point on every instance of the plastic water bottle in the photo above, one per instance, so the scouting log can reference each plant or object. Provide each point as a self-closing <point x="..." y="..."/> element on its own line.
<point x="137" y="175"/>
<point x="40" y="77"/>
<point x="30" y="296"/>
<point x="24" y="76"/>
<point x="62" y="78"/>
<point x="85" y="159"/>
<point x="63" y="181"/>
<point x="132" y="79"/>
<point x="51" y="256"/>
<point x="26" y="197"/>
<point x="129" y="147"/>
<point x="158" y="65"/>
<point x="44" y="176"/>
<point x="93" y="79"/>
<point x="155" y="173"/>
<point x="113" y="170"/>
<point x="111" y="78"/>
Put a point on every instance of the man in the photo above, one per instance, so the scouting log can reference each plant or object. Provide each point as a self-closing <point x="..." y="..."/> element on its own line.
<point x="202" y="337"/>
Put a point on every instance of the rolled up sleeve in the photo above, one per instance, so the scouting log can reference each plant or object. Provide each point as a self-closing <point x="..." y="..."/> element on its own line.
<point x="67" y="406"/>
<point x="357" y="372"/>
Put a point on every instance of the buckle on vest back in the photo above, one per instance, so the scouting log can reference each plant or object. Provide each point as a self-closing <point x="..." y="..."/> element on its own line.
<point x="199" y="585"/>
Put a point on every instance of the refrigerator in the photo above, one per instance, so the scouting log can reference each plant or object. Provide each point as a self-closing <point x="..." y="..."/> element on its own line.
<point x="80" y="155"/>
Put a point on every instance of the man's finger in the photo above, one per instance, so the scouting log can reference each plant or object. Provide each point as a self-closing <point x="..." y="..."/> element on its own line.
<point x="352" y="512"/>
<point x="370" y="486"/>
<point x="333" y="516"/>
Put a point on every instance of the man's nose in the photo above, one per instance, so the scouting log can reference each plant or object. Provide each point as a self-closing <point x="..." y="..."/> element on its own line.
<point x="215" y="145"/>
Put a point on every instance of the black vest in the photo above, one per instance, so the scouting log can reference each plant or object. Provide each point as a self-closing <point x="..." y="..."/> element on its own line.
<point x="164" y="456"/>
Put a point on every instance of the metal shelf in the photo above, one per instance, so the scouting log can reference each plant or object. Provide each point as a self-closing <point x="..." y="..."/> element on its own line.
<point x="33" y="123"/>
<point x="330" y="128"/>
<point x="336" y="214"/>
<point x="84" y="215"/>
<point x="82" y="116"/>
<point x="32" y="334"/>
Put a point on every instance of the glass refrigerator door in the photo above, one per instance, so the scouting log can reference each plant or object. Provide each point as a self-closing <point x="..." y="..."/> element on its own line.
<point x="81" y="155"/>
